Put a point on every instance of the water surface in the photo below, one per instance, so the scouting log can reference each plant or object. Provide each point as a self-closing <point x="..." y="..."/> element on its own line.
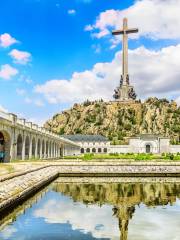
<point x="126" y="211"/>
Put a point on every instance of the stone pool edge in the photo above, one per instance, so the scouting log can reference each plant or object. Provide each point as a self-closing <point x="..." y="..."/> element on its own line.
<point x="51" y="172"/>
<point x="11" y="203"/>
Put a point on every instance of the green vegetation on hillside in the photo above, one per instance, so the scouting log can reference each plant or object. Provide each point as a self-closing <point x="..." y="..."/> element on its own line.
<point x="117" y="121"/>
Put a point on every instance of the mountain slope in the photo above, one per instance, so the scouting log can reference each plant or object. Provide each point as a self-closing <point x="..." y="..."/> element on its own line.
<point x="119" y="120"/>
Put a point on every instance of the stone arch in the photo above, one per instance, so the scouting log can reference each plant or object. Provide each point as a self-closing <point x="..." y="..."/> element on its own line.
<point x="88" y="150"/>
<point x="27" y="147"/>
<point x="82" y="150"/>
<point x="38" y="147"/>
<point x="94" y="150"/>
<point x="105" y="150"/>
<point x="19" y="146"/>
<point x="5" y="145"/>
<point x="153" y="146"/>
<point x="33" y="147"/>
<point x="148" y="148"/>
<point x="99" y="150"/>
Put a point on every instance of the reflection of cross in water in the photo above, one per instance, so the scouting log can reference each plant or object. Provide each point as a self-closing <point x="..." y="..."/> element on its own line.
<point x="124" y="213"/>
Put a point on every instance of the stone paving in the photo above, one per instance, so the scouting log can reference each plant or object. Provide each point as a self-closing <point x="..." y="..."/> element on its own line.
<point x="120" y="169"/>
<point x="17" y="187"/>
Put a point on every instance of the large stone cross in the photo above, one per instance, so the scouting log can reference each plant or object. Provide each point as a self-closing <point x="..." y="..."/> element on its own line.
<point x="125" y="31"/>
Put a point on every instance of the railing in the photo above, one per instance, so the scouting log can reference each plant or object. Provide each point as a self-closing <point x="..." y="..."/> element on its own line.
<point x="5" y="115"/>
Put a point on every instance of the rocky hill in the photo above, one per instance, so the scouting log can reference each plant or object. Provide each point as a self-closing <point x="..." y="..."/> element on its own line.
<point x="119" y="120"/>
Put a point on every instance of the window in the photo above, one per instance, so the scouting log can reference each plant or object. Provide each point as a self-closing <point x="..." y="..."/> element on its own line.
<point x="148" y="148"/>
<point x="93" y="150"/>
<point x="99" y="150"/>
<point x="105" y="150"/>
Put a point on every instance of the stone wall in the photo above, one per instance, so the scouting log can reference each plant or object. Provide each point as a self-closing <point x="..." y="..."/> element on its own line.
<point x="119" y="149"/>
<point x="175" y="148"/>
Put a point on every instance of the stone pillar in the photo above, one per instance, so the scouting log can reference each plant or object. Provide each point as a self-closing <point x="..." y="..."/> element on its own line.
<point x="63" y="151"/>
<point x="54" y="150"/>
<point x="23" y="147"/>
<point x="12" y="141"/>
<point x="57" y="150"/>
<point x="36" y="148"/>
<point x="12" y="153"/>
<point x="49" y="150"/>
<point x="30" y="147"/>
<point x="45" y="149"/>
<point x="41" y="153"/>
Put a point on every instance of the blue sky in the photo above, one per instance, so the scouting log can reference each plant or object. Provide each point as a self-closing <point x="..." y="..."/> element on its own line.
<point x="50" y="40"/>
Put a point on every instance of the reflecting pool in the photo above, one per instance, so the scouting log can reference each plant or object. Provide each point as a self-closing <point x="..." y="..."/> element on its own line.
<point x="102" y="210"/>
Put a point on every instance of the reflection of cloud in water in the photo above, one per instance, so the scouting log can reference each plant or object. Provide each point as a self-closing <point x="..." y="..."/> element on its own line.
<point x="91" y="218"/>
<point x="155" y="223"/>
<point x="147" y="223"/>
<point x="8" y="232"/>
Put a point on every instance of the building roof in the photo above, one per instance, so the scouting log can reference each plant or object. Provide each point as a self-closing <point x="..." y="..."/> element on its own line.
<point x="150" y="136"/>
<point x="86" y="138"/>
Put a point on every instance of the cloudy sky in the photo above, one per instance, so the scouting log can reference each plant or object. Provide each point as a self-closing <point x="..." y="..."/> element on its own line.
<point x="54" y="53"/>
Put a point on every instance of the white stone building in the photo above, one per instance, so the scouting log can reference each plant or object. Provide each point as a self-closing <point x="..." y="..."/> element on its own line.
<point x="146" y="143"/>
<point x="91" y="143"/>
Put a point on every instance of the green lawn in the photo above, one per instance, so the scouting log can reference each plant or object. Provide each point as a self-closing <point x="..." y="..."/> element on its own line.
<point x="129" y="156"/>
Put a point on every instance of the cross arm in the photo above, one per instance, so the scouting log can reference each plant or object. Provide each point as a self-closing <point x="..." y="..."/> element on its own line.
<point x="127" y="31"/>
<point x="132" y="30"/>
<point x="117" y="32"/>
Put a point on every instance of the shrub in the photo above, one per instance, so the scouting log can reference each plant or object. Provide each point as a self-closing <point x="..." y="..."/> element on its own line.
<point x="77" y="131"/>
<point x="127" y="127"/>
<point x="86" y="103"/>
<point x="61" y="131"/>
<point x="88" y="156"/>
<point x="171" y="157"/>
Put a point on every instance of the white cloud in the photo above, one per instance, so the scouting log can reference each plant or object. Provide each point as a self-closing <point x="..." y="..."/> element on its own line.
<point x="39" y="103"/>
<point x="88" y="28"/>
<point x="36" y="102"/>
<point x="3" y="109"/>
<point x="20" y="57"/>
<point x="97" y="48"/>
<point x="6" y="40"/>
<point x="151" y="72"/>
<point x="71" y="12"/>
<point x="20" y="91"/>
<point x="24" y="78"/>
<point x="6" y="72"/>
<point x="99" y="221"/>
<point x="8" y="232"/>
<point x="155" y="19"/>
